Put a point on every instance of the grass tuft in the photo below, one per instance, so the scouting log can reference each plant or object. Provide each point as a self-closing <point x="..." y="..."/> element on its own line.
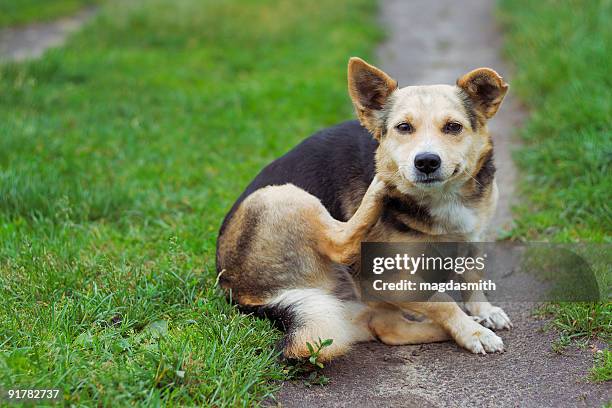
<point x="602" y="370"/>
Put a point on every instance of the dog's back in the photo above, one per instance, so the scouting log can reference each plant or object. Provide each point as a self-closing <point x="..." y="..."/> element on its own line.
<point x="335" y="165"/>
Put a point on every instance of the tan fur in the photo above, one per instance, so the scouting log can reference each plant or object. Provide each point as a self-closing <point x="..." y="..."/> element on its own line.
<point x="390" y="326"/>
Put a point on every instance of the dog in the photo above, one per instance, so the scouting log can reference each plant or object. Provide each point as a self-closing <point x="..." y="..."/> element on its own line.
<point x="416" y="167"/>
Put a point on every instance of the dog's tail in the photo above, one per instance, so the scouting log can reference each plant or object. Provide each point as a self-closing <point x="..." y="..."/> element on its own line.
<point x="311" y="315"/>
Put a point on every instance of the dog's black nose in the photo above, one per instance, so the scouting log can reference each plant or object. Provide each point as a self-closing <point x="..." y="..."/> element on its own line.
<point x="427" y="162"/>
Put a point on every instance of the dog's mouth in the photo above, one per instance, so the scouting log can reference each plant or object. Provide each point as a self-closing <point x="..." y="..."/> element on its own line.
<point x="433" y="180"/>
<point x="430" y="181"/>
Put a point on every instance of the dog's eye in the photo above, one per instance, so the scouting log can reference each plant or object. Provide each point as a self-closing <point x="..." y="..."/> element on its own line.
<point x="405" y="127"/>
<point x="453" y="128"/>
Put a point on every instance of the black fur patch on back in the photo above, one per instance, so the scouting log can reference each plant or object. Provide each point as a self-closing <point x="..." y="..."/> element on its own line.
<point x="328" y="165"/>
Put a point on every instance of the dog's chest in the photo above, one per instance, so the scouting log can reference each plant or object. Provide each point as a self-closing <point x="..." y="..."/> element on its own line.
<point x="444" y="220"/>
<point x="453" y="217"/>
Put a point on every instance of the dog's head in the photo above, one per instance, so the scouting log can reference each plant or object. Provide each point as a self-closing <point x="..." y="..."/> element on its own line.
<point x="431" y="138"/>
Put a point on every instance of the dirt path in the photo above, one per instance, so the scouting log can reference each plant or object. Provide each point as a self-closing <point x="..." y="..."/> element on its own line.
<point x="435" y="42"/>
<point x="30" y="41"/>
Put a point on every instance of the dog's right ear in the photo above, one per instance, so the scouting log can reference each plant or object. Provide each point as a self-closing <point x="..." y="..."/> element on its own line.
<point x="370" y="89"/>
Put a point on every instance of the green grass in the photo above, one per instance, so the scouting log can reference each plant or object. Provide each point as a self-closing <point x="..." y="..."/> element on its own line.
<point x="119" y="156"/>
<point x="16" y="12"/>
<point x="578" y="323"/>
<point x="561" y="50"/>
<point x="602" y="371"/>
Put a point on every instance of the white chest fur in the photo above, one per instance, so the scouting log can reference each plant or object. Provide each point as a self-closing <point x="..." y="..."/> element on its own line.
<point x="451" y="216"/>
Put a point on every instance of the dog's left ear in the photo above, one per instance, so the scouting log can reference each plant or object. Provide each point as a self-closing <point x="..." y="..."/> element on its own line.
<point x="486" y="88"/>
<point x="370" y="89"/>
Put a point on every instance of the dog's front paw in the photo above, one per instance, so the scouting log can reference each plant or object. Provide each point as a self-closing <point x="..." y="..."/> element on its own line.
<point x="477" y="339"/>
<point x="488" y="315"/>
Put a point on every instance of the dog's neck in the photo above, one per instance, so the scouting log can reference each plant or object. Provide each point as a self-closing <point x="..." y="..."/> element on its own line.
<point x="452" y="212"/>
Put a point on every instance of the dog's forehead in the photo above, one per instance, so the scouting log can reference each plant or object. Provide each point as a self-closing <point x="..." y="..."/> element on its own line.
<point x="429" y="98"/>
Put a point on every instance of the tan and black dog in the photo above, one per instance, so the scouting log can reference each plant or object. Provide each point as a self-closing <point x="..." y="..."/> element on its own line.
<point x="419" y="168"/>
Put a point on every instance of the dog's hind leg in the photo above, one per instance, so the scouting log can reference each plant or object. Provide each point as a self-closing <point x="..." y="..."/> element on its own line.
<point x="443" y="310"/>
<point x="317" y="313"/>
<point x="313" y="315"/>
<point x="390" y="326"/>
<point x="344" y="238"/>
<point x="289" y="270"/>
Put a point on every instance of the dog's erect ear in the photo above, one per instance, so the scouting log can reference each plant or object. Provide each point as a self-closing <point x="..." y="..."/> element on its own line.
<point x="370" y="89"/>
<point x="486" y="88"/>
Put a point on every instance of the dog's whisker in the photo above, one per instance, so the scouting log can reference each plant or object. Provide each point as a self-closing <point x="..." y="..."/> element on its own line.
<point x="468" y="174"/>
<point x="472" y="177"/>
